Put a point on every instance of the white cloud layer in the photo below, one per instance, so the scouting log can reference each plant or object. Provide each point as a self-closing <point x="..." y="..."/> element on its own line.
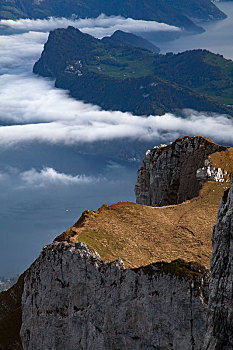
<point x="98" y="27"/>
<point x="51" y="176"/>
<point x="89" y="124"/>
<point x="33" y="110"/>
<point x="45" y="177"/>
<point x="18" y="52"/>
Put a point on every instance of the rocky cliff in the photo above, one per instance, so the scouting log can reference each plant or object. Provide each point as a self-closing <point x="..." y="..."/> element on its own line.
<point x="220" y="315"/>
<point x="11" y="316"/>
<point x="175" y="173"/>
<point x="73" y="300"/>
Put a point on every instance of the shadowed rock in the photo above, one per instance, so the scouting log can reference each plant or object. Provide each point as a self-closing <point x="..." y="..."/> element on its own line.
<point x="220" y="315"/>
<point x="175" y="173"/>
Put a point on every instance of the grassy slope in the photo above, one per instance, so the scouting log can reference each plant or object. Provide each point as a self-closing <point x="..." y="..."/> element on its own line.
<point x="122" y="63"/>
<point x="124" y="78"/>
<point x="141" y="235"/>
<point x="200" y="70"/>
<point x="12" y="9"/>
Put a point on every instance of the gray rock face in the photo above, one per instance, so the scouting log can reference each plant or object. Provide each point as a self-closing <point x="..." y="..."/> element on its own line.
<point x="72" y="300"/>
<point x="220" y="315"/>
<point x="175" y="173"/>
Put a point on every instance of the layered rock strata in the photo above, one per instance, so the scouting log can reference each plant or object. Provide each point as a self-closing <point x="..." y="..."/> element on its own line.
<point x="73" y="300"/>
<point x="220" y="315"/>
<point x="175" y="173"/>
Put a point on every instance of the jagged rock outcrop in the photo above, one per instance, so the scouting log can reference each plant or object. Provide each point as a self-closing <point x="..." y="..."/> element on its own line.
<point x="73" y="300"/>
<point x="175" y="173"/>
<point x="220" y="315"/>
<point x="70" y="298"/>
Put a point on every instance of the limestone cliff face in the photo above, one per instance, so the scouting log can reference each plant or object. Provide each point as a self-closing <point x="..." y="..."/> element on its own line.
<point x="175" y="173"/>
<point x="220" y="316"/>
<point x="73" y="300"/>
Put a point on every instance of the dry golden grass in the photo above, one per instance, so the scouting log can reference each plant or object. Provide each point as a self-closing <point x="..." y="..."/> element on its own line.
<point x="141" y="235"/>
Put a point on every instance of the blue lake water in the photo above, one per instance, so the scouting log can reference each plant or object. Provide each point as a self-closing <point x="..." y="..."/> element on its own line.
<point x="218" y="37"/>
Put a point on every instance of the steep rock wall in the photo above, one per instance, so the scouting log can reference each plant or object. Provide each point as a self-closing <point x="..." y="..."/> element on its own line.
<point x="73" y="300"/>
<point x="175" y="173"/>
<point x="220" y="315"/>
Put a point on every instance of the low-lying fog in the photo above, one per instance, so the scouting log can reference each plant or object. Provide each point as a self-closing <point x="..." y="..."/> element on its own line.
<point x="51" y="162"/>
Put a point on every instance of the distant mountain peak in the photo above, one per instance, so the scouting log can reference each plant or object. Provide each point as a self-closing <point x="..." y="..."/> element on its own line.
<point x="175" y="173"/>
<point x="120" y="37"/>
<point x="126" y="78"/>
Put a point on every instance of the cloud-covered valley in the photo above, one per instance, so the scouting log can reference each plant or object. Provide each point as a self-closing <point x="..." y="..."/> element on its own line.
<point x="32" y="109"/>
<point x="98" y="27"/>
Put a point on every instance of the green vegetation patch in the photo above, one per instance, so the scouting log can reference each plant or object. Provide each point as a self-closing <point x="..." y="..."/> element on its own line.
<point x="179" y="268"/>
<point x="102" y="242"/>
<point x="122" y="63"/>
<point x="10" y="10"/>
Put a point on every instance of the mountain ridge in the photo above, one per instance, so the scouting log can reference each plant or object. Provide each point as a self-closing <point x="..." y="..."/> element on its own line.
<point x="129" y="39"/>
<point x="174" y="13"/>
<point x="116" y="77"/>
<point x="151" y="277"/>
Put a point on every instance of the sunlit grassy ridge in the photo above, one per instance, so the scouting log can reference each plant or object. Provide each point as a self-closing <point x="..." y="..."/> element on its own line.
<point x="200" y="70"/>
<point x="141" y="234"/>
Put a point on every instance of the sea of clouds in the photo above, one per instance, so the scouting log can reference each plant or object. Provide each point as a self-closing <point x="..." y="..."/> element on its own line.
<point x="32" y="109"/>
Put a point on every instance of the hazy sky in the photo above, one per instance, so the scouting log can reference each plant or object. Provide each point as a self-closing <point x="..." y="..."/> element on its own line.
<point x="46" y="178"/>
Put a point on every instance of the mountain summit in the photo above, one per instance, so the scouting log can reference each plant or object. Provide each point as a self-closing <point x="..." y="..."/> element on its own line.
<point x="121" y="77"/>
<point x="175" y="173"/>
<point x="129" y="39"/>
<point x="130" y="276"/>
